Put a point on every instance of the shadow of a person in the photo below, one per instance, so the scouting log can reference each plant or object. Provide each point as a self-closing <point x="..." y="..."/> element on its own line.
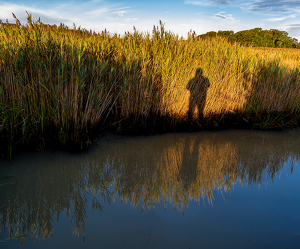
<point x="198" y="90"/>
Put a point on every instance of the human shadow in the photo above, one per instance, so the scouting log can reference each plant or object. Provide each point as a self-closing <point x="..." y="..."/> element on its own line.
<point x="198" y="87"/>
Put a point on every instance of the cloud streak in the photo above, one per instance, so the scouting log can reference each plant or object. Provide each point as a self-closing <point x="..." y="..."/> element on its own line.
<point x="262" y="6"/>
<point x="118" y="17"/>
<point x="208" y="2"/>
<point x="277" y="19"/>
<point x="223" y="16"/>
<point x="272" y="6"/>
<point x="93" y="14"/>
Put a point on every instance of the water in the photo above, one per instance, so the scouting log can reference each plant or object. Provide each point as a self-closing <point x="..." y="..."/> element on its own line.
<point x="229" y="189"/>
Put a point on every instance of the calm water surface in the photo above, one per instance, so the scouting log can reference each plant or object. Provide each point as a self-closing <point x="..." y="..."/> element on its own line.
<point x="231" y="189"/>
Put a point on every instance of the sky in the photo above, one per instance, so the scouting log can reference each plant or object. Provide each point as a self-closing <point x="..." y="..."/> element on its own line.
<point x="179" y="16"/>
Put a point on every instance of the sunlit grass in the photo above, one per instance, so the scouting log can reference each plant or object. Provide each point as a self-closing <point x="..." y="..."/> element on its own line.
<point x="60" y="84"/>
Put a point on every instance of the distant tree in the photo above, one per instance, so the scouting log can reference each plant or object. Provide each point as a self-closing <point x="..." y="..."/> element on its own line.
<point x="257" y="37"/>
<point x="209" y="34"/>
<point x="226" y="33"/>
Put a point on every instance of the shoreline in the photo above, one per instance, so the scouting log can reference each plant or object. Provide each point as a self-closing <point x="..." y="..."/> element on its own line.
<point x="273" y="122"/>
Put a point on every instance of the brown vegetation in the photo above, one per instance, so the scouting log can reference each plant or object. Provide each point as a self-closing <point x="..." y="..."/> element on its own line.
<point x="61" y="84"/>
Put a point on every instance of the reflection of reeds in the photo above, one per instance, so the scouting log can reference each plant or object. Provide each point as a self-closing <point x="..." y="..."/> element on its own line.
<point x="60" y="83"/>
<point x="192" y="169"/>
<point x="142" y="171"/>
<point x="31" y="207"/>
<point x="189" y="168"/>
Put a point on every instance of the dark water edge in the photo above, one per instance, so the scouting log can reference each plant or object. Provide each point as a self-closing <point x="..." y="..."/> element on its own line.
<point x="136" y="125"/>
<point x="223" y="189"/>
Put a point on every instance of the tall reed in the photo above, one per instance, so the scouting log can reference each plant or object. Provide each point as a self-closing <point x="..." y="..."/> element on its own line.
<point x="60" y="84"/>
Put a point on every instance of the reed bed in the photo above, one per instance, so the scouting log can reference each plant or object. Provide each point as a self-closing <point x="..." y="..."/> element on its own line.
<point x="61" y="84"/>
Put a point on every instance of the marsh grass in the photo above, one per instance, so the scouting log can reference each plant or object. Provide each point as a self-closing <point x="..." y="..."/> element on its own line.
<point x="62" y="84"/>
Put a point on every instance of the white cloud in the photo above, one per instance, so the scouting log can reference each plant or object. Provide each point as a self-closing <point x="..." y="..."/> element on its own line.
<point x="131" y="19"/>
<point x="96" y="15"/>
<point x="223" y="16"/>
<point x="195" y="2"/>
<point x="6" y="11"/>
<point x="272" y="6"/>
<point x="277" y="19"/>
<point x="120" y="12"/>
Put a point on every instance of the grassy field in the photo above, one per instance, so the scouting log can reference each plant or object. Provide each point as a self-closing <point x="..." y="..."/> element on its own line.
<point x="60" y="85"/>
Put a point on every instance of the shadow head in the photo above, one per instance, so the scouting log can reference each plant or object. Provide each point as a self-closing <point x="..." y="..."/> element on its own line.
<point x="199" y="73"/>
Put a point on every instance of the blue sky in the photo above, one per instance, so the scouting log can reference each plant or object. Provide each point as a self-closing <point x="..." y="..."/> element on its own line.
<point x="179" y="16"/>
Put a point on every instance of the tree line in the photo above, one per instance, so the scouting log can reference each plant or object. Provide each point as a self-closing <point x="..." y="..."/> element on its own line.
<point x="257" y="38"/>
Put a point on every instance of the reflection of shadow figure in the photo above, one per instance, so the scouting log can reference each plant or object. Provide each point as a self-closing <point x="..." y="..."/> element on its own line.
<point x="198" y="90"/>
<point x="188" y="169"/>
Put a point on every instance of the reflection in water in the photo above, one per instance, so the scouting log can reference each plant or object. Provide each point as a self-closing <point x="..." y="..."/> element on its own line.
<point x="172" y="168"/>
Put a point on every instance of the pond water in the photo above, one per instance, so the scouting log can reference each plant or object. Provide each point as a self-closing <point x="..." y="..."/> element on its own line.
<point x="225" y="189"/>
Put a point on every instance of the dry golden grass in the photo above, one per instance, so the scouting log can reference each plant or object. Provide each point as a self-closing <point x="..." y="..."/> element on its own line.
<point x="61" y="83"/>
